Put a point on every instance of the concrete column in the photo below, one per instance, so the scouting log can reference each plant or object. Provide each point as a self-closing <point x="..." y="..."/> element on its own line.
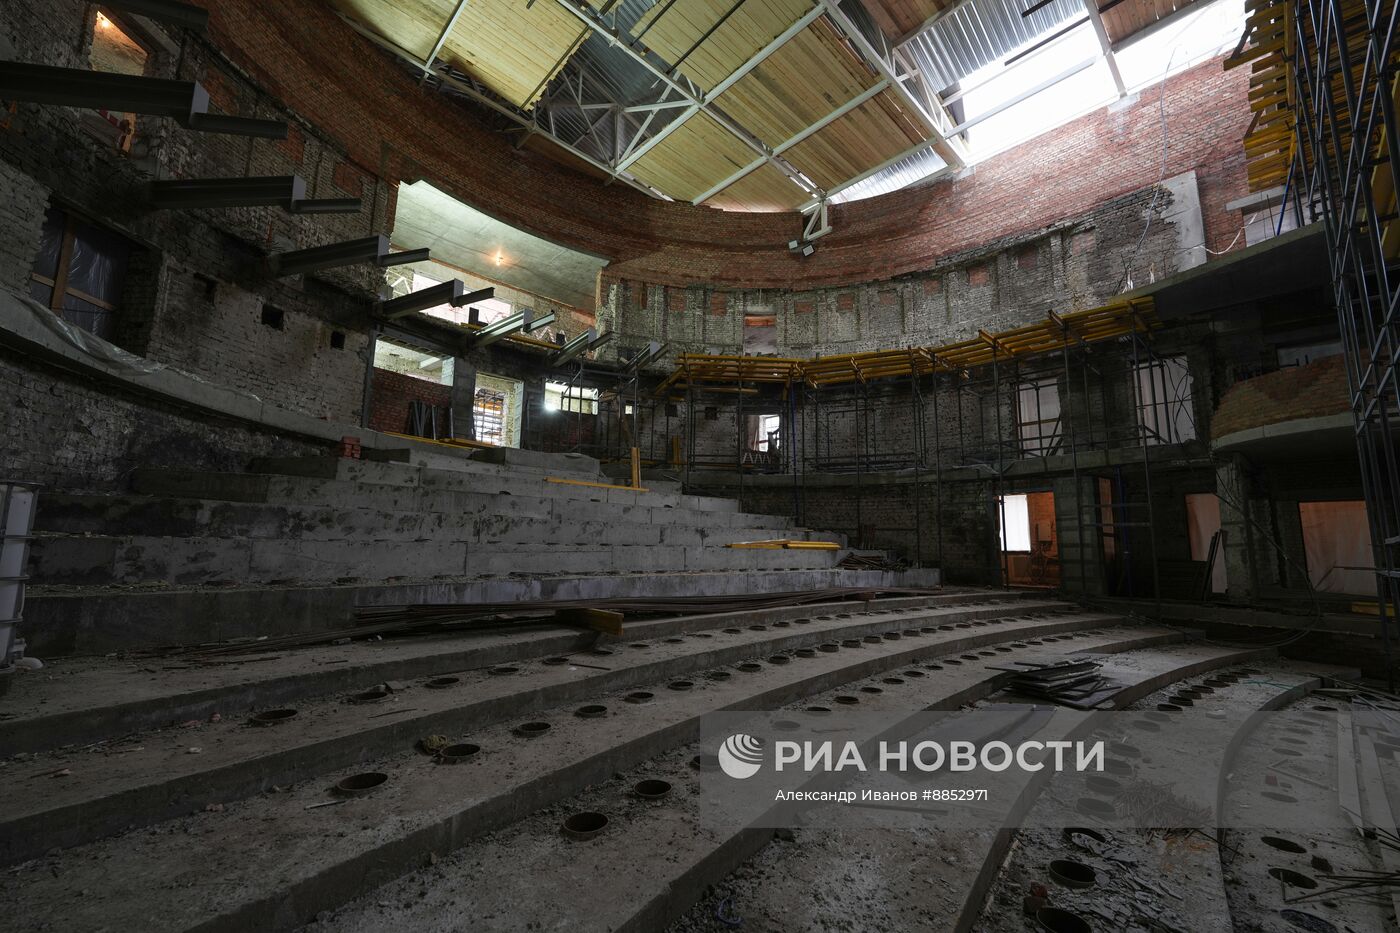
<point x="1241" y="560"/>
<point x="463" y="398"/>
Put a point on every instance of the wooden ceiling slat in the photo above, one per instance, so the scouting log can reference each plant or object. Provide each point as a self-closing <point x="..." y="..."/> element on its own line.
<point x="763" y="189"/>
<point x="512" y="48"/>
<point x="809" y="77"/>
<point x="693" y="159"/>
<point x="673" y="31"/>
<point x="868" y="136"/>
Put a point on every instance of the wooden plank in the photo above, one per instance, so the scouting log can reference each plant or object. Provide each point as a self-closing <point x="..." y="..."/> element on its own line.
<point x="584" y="482"/>
<point x="599" y="620"/>
<point x="692" y="159"/>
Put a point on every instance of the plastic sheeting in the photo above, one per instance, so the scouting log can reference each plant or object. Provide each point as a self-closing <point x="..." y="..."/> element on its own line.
<point x="1337" y="547"/>
<point x="96" y="268"/>
<point x="114" y="358"/>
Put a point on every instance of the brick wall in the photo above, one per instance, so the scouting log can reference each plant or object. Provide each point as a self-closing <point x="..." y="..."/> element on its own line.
<point x="1082" y="262"/>
<point x="71" y="433"/>
<point x="1295" y="392"/>
<point x="390" y="397"/>
<point x="344" y="85"/>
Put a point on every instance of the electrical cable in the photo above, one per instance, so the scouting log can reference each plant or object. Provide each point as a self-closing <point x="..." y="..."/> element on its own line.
<point x="1161" y="177"/>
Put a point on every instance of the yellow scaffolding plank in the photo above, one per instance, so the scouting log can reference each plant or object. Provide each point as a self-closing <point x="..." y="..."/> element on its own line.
<point x="786" y="543"/>
<point x="584" y="482"/>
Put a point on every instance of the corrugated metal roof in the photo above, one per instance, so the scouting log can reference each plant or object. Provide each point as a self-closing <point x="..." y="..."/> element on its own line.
<point x="980" y="32"/>
<point x="907" y="171"/>
<point x="608" y="74"/>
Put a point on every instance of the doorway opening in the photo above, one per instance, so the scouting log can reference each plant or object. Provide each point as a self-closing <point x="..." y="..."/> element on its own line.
<point x="1030" y="552"/>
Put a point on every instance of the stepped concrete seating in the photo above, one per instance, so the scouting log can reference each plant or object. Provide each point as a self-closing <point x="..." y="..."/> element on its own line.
<point x="111" y="571"/>
<point x="1007" y="870"/>
<point x="245" y="811"/>
<point x="662" y="858"/>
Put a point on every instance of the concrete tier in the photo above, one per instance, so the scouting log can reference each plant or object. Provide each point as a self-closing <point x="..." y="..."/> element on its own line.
<point x="163" y="779"/>
<point x="279" y="859"/>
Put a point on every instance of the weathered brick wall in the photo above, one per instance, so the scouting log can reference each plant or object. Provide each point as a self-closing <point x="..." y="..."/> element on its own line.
<point x="1295" y="392"/>
<point x="22" y="205"/>
<point x="345" y="86"/>
<point x="71" y="432"/>
<point x="393" y="392"/>
<point x="1082" y="263"/>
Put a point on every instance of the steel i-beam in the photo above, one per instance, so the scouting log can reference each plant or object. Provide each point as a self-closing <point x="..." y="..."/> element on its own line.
<point x="167" y="11"/>
<point x="78" y="87"/>
<point x="448" y="293"/>
<point x="499" y="330"/>
<point x="287" y="191"/>
<point x="645" y="356"/>
<point x="186" y="102"/>
<point x="373" y="249"/>
<point x="452" y="293"/>
<point x="571" y="350"/>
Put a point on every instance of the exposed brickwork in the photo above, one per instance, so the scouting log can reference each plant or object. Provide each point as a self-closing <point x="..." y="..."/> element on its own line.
<point x="22" y="205"/>
<point x="1311" y="391"/>
<point x="389" y="403"/>
<point x="68" y="433"/>
<point x="993" y="288"/>
<point x="342" y="84"/>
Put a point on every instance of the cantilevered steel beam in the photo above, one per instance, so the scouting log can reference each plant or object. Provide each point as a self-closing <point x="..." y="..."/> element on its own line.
<point x="946" y="148"/>
<point x="79" y="87"/>
<point x="574" y="348"/>
<point x="466" y="90"/>
<point x="373" y="249"/>
<point x="499" y="330"/>
<point x="644" y="356"/>
<point x="285" y="191"/>
<point x="238" y="126"/>
<point x="166" y="11"/>
<point x="534" y="322"/>
<point x="183" y="101"/>
<point x="452" y="293"/>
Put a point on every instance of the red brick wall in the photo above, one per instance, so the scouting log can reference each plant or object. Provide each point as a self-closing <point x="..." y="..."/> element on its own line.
<point x="304" y="54"/>
<point x="1310" y="391"/>
<point x="388" y="410"/>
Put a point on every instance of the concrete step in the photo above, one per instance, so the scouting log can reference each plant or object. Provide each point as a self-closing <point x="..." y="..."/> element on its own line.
<point x="543" y="501"/>
<point x="673" y="853"/>
<point x="279" y="863"/>
<point x="96" y="514"/>
<point x="161" y="779"/>
<point x="375" y="473"/>
<point x="75" y="620"/>
<point x="1006" y="870"/>
<point x="103" y="560"/>
<point x="79" y="701"/>
<point x="410" y="470"/>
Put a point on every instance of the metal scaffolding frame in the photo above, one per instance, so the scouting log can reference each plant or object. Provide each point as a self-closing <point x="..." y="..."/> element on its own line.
<point x="951" y="420"/>
<point x="1330" y="68"/>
